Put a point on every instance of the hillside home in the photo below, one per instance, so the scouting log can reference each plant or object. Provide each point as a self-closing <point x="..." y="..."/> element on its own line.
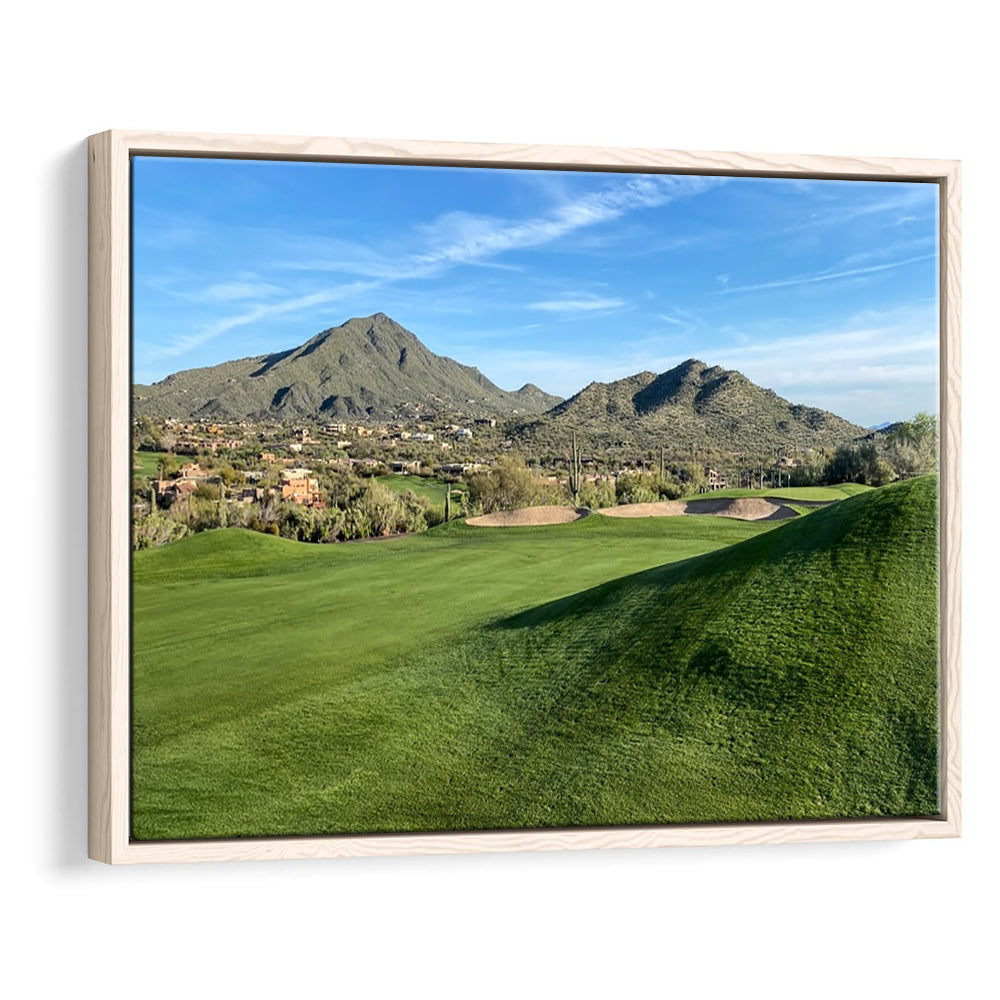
<point x="297" y="486"/>
<point x="248" y="495"/>
<point x="169" y="491"/>
<point x="716" y="479"/>
<point x="404" y="467"/>
<point x="460" y="468"/>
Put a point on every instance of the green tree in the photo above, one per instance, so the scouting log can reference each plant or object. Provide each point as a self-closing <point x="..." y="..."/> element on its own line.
<point x="859" y="463"/>
<point x="510" y="484"/>
<point x="912" y="445"/>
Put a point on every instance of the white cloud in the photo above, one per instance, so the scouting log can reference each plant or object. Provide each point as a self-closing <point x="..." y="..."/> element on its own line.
<point x="584" y="304"/>
<point x="886" y="369"/>
<point x="212" y="330"/>
<point x="808" y="279"/>
<point x="453" y="239"/>
<point x="462" y="237"/>
<point x="236" y="291"/>
<point x="918" y="196"/>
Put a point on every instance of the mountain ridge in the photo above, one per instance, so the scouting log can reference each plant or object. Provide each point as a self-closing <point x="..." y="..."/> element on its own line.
<point x="369" y="367"/>
<point x="691" y="405"/>
<point x="372" y="368"/>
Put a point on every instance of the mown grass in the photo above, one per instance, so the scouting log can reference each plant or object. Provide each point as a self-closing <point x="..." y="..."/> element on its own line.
<point x="428" y="487"/>
<point x="144" y="462"/>
<point x="600" y="672"/>
<point x="823" y="493"/>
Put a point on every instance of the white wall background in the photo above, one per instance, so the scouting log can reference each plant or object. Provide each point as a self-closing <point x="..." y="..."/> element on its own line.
<point x="854" y="78"/>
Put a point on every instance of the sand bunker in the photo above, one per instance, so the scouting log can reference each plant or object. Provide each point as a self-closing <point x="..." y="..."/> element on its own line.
<point x="529" y="516"/>
<point x="742" y="508"/>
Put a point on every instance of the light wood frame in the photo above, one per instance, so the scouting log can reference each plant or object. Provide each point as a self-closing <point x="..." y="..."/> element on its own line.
<point x="110" y="473"/>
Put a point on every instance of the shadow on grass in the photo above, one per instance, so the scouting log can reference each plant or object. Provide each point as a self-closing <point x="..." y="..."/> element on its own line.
<point x="765" y="623"/>
<point x="788" y="545"/>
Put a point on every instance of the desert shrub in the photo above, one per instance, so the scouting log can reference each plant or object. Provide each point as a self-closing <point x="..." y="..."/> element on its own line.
<point x="912" y="446"/>
<point x="295" y="522"/>
<point x="151" y="530"/>
<point x="635" y="488"/>
<point x="598" y="494"/>
<point x="510" y="484"/>
<point x="859" y="463"/>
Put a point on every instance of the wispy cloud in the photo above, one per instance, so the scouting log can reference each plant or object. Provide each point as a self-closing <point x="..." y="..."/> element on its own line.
<point x="685" y="321"/>
<point x="809" y="279"/>
<point x="889" y="251"/>
<point x="916" y="197"/>
<point x="885" y="368"/>
<point x="583" y="304"/>
<point x="453" y="239"/>
<point x="210" y="331"/>
<point x="235" y="291"/>
<point x="465" y="237"/>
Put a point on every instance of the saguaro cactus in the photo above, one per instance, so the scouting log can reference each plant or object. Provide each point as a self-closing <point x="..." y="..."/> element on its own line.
<point x="575" y="472"/>
<point x="447" y="503"/>
<point x="222" y="502"/>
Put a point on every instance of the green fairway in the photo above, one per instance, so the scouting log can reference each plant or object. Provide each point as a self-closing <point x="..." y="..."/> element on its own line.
<point x="144" y="462"/>
<point x="600" y="672"/>
<point x="824" y="493"/>
<point x="428" y="487"/>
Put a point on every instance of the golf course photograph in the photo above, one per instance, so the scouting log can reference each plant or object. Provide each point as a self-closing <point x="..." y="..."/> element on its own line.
<point x="480" y="499"/>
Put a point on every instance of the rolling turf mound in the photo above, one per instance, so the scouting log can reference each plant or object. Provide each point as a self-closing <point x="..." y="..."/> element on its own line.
<point x="793" y="675"/>
<point x="790" y="674"/>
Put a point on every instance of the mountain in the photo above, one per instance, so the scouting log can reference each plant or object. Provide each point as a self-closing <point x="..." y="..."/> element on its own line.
<point x="367" y="368"/>
<point x="692" y="405"/>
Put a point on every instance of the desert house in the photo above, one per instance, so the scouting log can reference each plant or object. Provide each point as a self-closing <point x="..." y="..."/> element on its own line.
<point x="716" y="479"/>
<point x="298" y="486"/>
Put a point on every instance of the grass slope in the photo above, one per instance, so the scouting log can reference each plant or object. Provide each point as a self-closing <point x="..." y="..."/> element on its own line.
<point x="822" y="493"/>
<point x="468" y="679"/>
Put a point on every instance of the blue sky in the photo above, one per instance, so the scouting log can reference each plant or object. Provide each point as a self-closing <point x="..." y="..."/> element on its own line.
<point x="825" y="291"/>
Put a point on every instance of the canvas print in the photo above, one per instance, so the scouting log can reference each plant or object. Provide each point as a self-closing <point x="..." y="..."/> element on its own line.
<point x="468" y="498"/>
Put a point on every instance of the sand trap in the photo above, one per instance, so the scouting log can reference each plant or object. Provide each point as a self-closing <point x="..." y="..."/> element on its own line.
<point x="529" y="516"/>
<point x="742" y="508"/>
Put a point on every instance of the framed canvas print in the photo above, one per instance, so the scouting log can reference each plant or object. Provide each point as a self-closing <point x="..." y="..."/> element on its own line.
<point x="458" y="497"/>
